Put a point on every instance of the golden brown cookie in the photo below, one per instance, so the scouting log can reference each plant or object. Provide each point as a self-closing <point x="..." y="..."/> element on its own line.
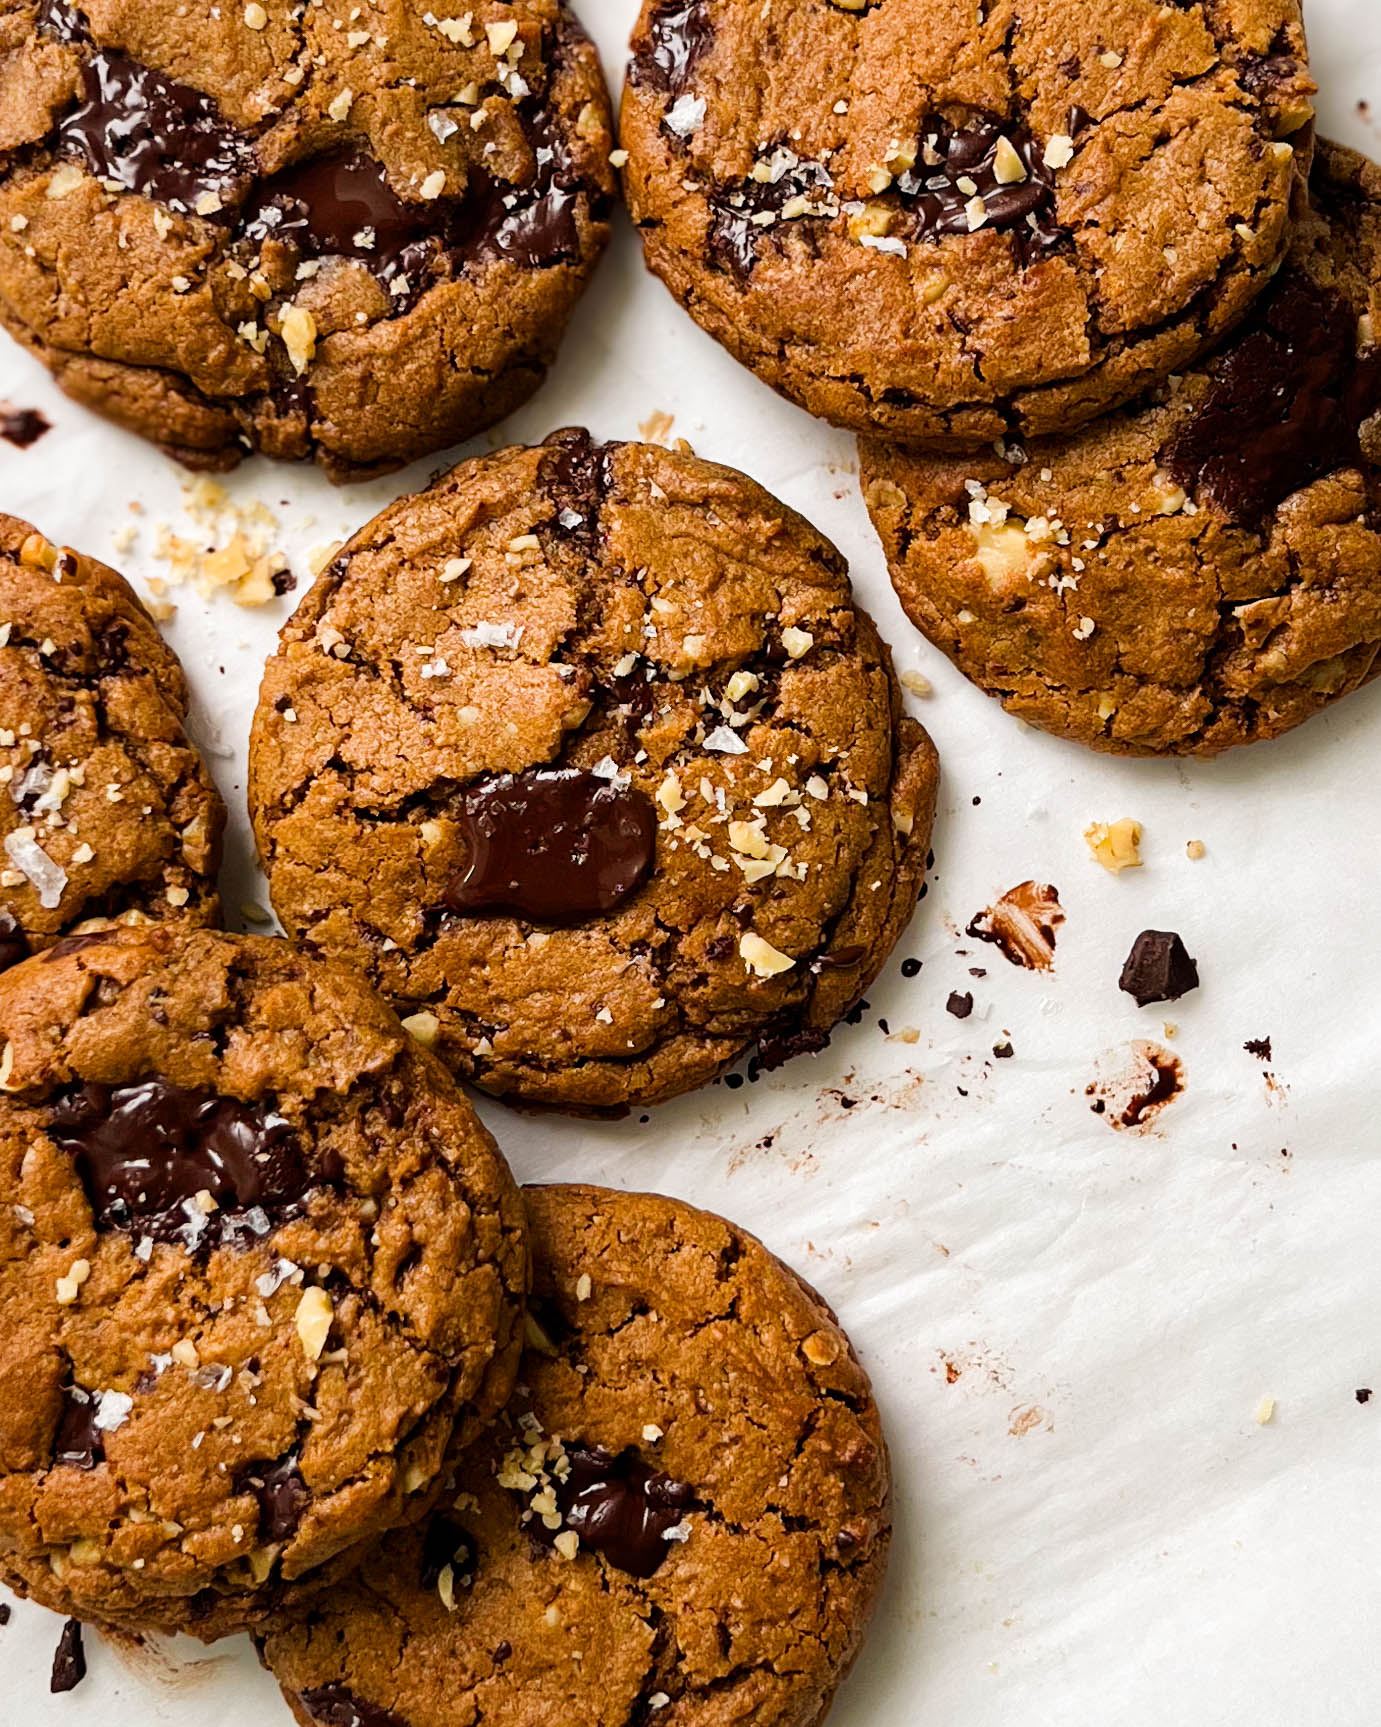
<point x="683" y="1518"/>
<point x="1201" y="570"/>
<point x="586" y="757"/>
<point x="262" y="1274"/>
<point x="107" y="810"/>
<point x="351" y="232"/>
<point x="951" y="222"/>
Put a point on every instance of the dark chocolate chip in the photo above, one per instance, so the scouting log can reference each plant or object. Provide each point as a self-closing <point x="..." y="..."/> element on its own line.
<point x="734" y="237"/>
<point x="911" y="968"/>
<point x="281" y="1492"/>
<point x="1285" y="406"/>
<point x="13" y="946"/>
<point x="78" y="1442"/>
<point x="151" y="135"/>
<point x="338" y="1706"/>
<point x="69" y="1659"/>
<point x="447" y="1544"/>
<point x="1362" y="1394"/>
<point x="961" y="1006"/>
<point x="22" y="426"/>
<point x="843" y="958"/>
<point x="554" y="845"/>
<point x="574" y="473"/>
<point x="678" y="37"/>
<point x="144" y="1152"/>
<point x="938" y="204"/>
<point x="4" y="1614"/>
<point x="1158" y="968"/>
<point x="620" y="1507"/>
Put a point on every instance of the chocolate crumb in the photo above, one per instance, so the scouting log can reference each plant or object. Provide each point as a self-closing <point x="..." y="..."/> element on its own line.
<point x="961" y="1006"/>
<point x="910" y="968"/>
<point x="22" y="427"/>
<point x="1158" y="968"/>
<point x="4" y="1613"/>
<point x="1260" y="1047"/>
<point x="1363" y="1394"/>
<point x="1003" y="1051"/>
<point x="69" y="1659"/>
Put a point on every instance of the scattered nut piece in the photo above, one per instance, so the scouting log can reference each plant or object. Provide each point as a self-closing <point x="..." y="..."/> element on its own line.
<point x="313" y="1320"/>
<point x="761" y="957"/>
<point x="1115" y="845"/>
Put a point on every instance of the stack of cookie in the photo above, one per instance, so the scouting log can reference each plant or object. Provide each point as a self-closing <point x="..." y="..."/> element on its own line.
<point x="1101" y="308"/>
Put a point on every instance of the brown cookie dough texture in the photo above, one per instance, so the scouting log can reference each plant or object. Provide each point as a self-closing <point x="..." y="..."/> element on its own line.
<point x="351" y="232"/>
<point x="658" y="625"/>
<point x="225" y="1369"/>
<point x="683" y="1519"/>
<point x="1198" y="571"/>
<point x="951" y="223"/>
<point x="106" y="809"/>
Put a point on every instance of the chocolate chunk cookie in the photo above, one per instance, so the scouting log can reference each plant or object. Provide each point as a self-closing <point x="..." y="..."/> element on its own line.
<point x="261" y="1271"/>
<point x="106" y="809"/>
<point x="1198" y="571"/>
<point x="951" y="222"/>
<point x="347" y="232"/>
<point x="684" y="1517"/>
<point x="587" y="758"/>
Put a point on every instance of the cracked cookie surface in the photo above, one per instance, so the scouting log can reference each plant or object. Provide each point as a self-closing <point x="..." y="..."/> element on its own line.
<point x="587" y="758"/>
<point x="262" y="1274"/>
<point x="1197" y="571"/>
<point x="350" y="232"/>
<point x="683" y="1518"/>
<point x="1031" y="211"/>
<point x="106" y="808"/>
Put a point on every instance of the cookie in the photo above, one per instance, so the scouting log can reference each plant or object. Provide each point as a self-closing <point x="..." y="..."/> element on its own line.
<point x="586" y="757"/>
<point x="106" y="809"/>
<point x="1200" y="570"/>
<point x="950" y="224"/>
<point x="261" y="1269"/>
<point x="350" y="233"/>
<point x="683" y="1518"/>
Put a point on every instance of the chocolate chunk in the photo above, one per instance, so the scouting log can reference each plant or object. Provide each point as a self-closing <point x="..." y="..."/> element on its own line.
<point x="911" y="968"/>
<point x="281" y="1492"/>
<point x="778" y="1047"/>
<point x="554" y="845"/>
<point x="1158" y="968"/>
<point x="338" y="1706"/>
<point x="342" y="206"/>
<point x="78" y="1442"/>
<point x="154" y="136"/>
<point x="620" y="1507"/>
<point x="678" y="37"/>
<point x="62" y="21"/>
<point x="145" y="1152"/>
<point x="1362" y="1394"/>
<point x="75" y="943"/>
<point x="734" y="237"/>
<point x="1260" y="1047"/>
<point x="444" y="1545"/>
<point x="4" y="1614"/>
<point x="13" y="946"/>
<point x="574" y="472"/>
<point x="961" y="1006"/>
<point x="534" y="225"/>
<point x="843" y="958"/>
<point x="69" y="1660"/>
<point x="1285" y="406"/>
<point x="936" y="192"/>
<point x="22" y="426"/>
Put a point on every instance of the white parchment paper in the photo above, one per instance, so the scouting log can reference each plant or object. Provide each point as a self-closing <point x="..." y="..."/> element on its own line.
<point x="1071" y="1329"/>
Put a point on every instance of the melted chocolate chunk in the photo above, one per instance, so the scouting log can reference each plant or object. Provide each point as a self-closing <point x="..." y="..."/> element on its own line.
<point x="574" y="471"/>
<point x="338" y="1706"/>
<point x="1285" y="407"/>
<point x="1158" y="968"/>
<point x="554" y="845"/>
<point x="69" y="1660"/>
<point x="144" y="1152"/>
<point x="447" y="1544"/>
<point x="153" y="136"/>
<point x="13" y="947"/>
<point x="678" y="37"/>
<point x="281" y="1492"/>
<point x="778" y="1047"/>
<point x="620" y="1507"/>
<point x="78" y="1442"/>
<point x="1166" y="1083"/>
<point x="734" y="237"/>
<point x="954" y="159"/>
<point x="63" y="22"/>
<point x="342" y="206"/>
<point x="75" y="943"/>
<point x="533" y="225"/>
<point x="22" y="427"/>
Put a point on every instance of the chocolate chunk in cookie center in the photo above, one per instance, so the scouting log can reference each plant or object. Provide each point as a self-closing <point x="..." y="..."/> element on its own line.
<point x="556" y="845"/>
<point x="166" y="1161"/>
<point x="338" y="1706"/>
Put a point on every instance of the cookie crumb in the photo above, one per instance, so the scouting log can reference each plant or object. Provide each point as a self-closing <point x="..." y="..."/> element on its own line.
<point x="1265" y="1411"/>
<point x="1195" y="850"/>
